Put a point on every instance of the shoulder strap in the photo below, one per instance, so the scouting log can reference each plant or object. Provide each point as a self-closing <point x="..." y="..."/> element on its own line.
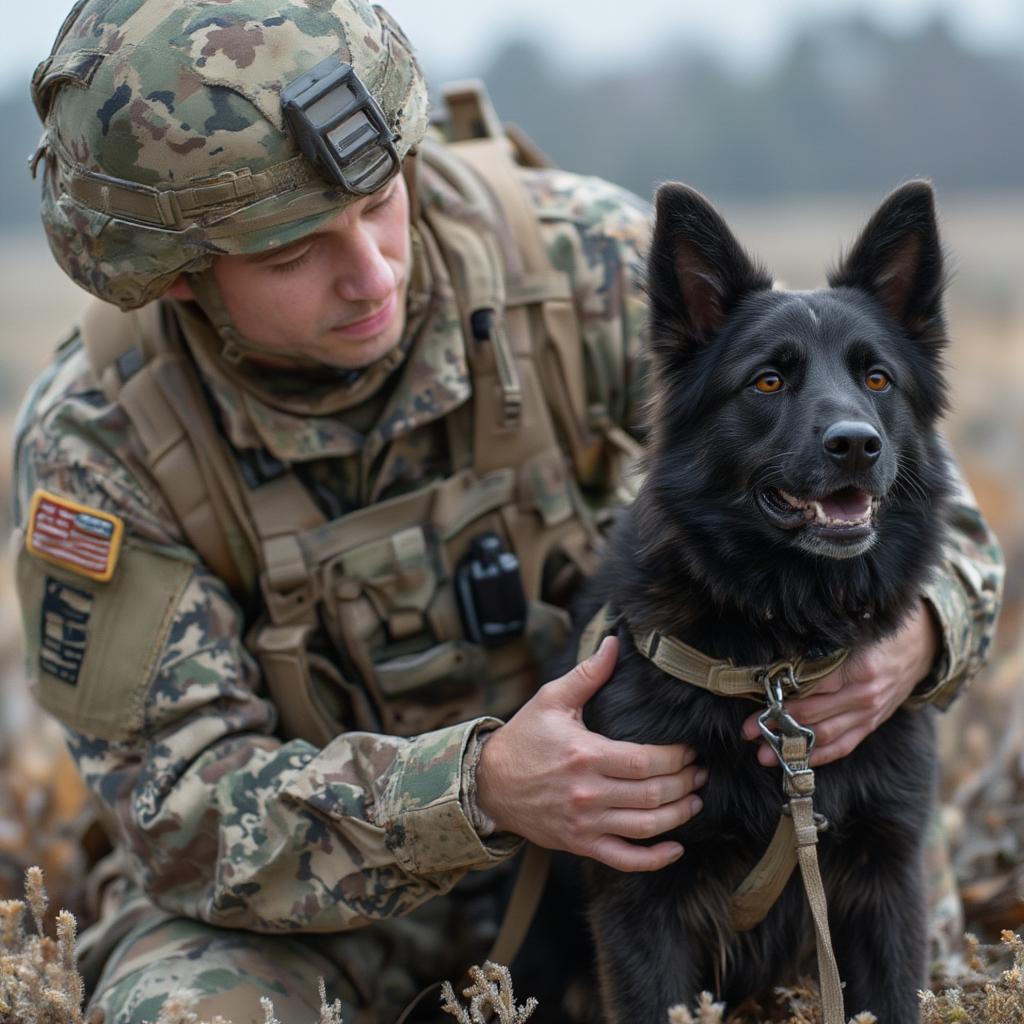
<point x="498" y="155"/>
<point x="138" y="367"/>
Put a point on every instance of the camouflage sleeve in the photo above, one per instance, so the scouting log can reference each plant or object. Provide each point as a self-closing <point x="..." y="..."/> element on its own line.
<point x="965" y="596"/>
<point x="224" y="821"/>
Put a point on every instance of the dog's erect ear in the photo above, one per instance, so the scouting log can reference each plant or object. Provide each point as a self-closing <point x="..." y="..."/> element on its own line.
<point x="898" y="260"/>
<point x="697" y="271"/>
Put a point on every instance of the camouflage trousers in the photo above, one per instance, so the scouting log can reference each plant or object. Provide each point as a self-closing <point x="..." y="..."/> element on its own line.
<point x="374" y="972"/>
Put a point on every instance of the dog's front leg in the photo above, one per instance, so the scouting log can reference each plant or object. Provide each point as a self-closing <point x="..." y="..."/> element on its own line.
<point x="880" y="935"/>
<point x="646" y="959"/>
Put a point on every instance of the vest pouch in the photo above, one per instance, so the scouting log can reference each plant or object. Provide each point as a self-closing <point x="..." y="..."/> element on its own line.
<point x="314" y="699"/>
<point x="444" y="668"/>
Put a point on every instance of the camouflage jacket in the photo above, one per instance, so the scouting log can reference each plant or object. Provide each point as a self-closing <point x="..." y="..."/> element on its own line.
<point x="224" y="822"/>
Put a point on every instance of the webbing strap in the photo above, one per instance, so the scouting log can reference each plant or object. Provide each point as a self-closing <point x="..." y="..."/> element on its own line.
<point x="806" y="836"/>
<point x="180" y="208"/>
<point x="758" y="892"/>
<point x="721" y="676"/>
<point x="522" y="904"/>
<point x="492" y="159"/>
<point x="718" y="675"/>
<point x="182" y="447"/>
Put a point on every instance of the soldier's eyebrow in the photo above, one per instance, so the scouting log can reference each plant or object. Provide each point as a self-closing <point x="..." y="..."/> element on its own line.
<point x="379" y="198"/>
<point x="279" y="250"/>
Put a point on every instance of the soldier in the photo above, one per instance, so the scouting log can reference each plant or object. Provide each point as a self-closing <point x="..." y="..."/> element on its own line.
<point x="302" y="500"/>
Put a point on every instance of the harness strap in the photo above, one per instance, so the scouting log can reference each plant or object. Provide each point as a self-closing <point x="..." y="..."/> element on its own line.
<point x="720" y="676"/>
<point x="522" y="904"/>
<point x="795" y="840"/>
<point x="758" y="892"/>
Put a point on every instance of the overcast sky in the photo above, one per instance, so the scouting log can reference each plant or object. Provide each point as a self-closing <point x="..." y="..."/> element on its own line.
<point x="455" y="37"/>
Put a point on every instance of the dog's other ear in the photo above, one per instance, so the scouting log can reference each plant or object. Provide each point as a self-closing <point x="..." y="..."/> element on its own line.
<point x="697" y="271"/>
<point x="898" y="260"/>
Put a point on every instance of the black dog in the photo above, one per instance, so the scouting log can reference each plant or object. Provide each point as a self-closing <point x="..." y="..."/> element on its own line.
<point x="794" y="503"/>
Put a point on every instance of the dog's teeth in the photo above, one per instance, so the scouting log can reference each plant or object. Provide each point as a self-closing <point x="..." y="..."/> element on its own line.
<point x="819" y="513"/>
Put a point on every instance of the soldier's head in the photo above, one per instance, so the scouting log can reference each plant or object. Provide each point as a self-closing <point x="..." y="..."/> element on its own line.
<point x="246" y="154"/>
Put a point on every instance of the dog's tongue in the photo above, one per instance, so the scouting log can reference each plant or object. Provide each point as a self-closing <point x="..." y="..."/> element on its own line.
<point x="850" y="504"/>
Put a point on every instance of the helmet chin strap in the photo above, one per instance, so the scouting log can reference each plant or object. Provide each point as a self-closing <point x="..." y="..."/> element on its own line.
<point x="238" y="357"/>
<point x="235" y="347"/>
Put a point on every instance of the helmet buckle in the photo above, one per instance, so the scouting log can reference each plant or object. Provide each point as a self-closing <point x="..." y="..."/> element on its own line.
<point x="340" y="127"/>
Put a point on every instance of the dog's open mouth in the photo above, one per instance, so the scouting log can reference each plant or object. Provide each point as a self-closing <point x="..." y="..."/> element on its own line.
<point x="846" y="514"/>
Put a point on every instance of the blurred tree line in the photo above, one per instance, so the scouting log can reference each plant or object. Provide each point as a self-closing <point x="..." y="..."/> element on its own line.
<point x="848" y="108"/>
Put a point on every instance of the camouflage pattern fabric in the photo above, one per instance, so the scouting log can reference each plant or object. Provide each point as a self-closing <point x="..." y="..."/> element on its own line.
<point x="966" y="599"/>
<point x="374" y="974"/>
<point x="227" y="825"/>
<point x="164" y="98"/>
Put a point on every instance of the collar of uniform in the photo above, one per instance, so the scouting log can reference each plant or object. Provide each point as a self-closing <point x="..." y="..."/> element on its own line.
<point x="433" y="380"/>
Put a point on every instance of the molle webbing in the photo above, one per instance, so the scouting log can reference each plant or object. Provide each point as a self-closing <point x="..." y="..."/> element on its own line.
<point x="531" y="280"/>
<point x="156" y="386"/>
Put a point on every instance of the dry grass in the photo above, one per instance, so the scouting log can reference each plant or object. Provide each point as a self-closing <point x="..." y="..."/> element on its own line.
<point x="40" y="984"/>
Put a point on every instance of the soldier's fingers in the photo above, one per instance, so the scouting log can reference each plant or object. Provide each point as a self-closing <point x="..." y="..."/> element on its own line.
<point x="833" y="739"/>
<point x="830" y="697"/>
<point x="648" y="824"/>
<point x="579" y="684"/>
<point x="820" y="708"/>
<point x="621" y="760"/>
<point x="625" y="856"/>
<point x="845" y="742"/>
<point x="647" y="794"/>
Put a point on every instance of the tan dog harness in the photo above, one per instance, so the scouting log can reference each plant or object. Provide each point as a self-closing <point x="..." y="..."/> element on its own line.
<point x="796" y="836"/>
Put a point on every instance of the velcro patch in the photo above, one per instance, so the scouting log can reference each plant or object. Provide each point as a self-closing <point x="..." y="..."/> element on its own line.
<point x="64" y="630"/>
<point x="84" y="540"/>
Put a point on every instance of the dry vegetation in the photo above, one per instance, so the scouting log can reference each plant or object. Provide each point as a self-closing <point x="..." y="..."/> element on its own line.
<point x="40" y="984"/>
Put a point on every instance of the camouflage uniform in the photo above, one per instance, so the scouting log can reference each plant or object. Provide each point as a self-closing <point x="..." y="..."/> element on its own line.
<point x="259" y="862"/>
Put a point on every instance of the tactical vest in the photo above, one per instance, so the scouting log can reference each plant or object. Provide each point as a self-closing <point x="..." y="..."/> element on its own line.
<point x="402" y="588"/>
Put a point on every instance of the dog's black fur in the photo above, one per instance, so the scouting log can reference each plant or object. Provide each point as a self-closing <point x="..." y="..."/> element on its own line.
<point x="713" y="554"/>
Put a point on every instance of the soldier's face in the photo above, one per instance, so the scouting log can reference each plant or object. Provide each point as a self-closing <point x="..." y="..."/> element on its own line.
<point x="336" y="295"/>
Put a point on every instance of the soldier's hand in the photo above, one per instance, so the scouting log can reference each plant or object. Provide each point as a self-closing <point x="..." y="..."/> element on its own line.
<point x="545" y="776"/>
<point x="855" y="699"/>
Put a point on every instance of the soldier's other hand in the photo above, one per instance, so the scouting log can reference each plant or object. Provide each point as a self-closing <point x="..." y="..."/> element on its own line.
<point x="855" y="699"/>
<point x="545" y="776"/>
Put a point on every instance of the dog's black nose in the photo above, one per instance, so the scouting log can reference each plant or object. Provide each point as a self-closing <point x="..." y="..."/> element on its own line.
<point x="852" y="444"/>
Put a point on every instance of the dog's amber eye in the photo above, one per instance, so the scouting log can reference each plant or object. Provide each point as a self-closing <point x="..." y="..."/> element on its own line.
<point x="768" y="383"/>
<point x="876" y="380"/>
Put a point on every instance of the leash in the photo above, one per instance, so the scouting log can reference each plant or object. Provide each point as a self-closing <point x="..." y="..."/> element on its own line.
<point x="799" y="826"/>
<point x="795" y="840"/>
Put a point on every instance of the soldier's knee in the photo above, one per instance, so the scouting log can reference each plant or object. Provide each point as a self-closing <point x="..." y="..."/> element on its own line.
<point x="212" y="973"/>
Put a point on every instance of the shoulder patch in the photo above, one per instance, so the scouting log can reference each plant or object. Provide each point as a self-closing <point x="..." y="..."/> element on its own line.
<point x="83" y="540"/>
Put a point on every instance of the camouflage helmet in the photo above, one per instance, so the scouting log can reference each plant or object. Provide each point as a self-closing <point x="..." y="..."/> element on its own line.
<point x="167" y="142"/>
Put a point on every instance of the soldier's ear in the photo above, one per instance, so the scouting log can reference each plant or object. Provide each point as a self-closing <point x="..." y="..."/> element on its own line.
<point x="181" y="290"/>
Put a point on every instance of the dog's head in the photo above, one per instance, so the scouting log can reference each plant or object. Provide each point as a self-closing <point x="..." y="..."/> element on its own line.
<point x="799" y="423"/>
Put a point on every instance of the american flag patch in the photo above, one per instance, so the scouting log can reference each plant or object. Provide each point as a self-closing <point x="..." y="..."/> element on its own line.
<point x="85" y="540"/>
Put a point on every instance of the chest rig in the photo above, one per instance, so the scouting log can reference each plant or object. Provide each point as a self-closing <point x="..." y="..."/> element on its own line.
<point x="427" y="608"/>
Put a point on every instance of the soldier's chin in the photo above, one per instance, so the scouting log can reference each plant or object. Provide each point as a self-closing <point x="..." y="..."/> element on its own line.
<point x="358" y="345"/>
